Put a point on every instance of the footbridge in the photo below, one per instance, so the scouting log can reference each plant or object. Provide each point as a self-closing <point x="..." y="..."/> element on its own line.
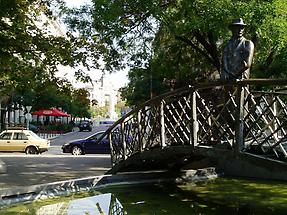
<point x="239" y="127"/>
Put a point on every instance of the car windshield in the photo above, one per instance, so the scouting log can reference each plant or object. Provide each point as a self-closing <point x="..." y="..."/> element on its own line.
<point x="84" y="122"/>
<point x="34" y="135"/>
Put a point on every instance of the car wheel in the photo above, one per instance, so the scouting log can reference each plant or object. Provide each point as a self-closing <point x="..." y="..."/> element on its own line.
<point x="31" y="150"/>
<point x="76" y="150"/>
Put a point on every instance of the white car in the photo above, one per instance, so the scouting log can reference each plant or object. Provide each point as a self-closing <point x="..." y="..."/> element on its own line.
<point x="22" y="140"/>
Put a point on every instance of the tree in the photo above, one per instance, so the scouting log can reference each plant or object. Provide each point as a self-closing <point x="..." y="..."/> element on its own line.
<point x="81" y="103"/>
<point x="182" y="41"/>
<point x="28" y="52"/>
<point x="98" y="111"/>
<point x="27" y="46"/>
<point x="30" y="56"/>
<point x="144" y="84"/>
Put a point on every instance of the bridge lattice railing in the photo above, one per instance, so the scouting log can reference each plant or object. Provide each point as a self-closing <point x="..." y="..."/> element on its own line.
<point x="234" y="115"/>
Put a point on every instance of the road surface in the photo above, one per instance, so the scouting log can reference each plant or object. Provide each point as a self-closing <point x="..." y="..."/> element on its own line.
<point x="51" y="166"/>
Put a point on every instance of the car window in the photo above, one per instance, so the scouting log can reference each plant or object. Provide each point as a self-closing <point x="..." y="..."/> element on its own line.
<point x="6" y="136"/>
<point x="96" y="136"/>
<point x="105" y="141"/>
<point x="107" y="122"/>
<point x="19" y="136"/>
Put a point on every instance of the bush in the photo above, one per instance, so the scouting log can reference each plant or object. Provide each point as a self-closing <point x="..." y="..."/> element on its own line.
<point x="63" y="128"/>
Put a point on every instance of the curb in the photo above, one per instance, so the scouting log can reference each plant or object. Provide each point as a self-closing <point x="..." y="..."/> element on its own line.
<point x="64" y="134"/>
<point x="43" y="191"/>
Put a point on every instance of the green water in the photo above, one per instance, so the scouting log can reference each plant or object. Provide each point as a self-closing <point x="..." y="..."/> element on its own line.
<point x="220" y="196"/>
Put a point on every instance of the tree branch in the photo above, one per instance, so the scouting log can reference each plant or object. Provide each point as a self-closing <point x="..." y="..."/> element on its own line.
<point x="209" y="47"/>
<point x="194" y="46"/>
<point x="214" y="51"/>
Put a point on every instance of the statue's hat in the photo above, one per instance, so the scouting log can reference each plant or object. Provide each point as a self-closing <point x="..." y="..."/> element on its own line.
<point x="237" y="22"/>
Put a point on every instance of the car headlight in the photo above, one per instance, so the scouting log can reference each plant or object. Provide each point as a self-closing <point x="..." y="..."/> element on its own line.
<point x="66" y="144"/>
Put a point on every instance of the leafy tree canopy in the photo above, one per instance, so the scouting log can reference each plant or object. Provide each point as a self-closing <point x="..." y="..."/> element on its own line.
<point x="81" y="103"/>
<point x="128" y="27"/>
<point x="30" y="55"/>
<point x="182" y="41"/>
<point x="26" y="46"/>
<point x="57" y="93"/>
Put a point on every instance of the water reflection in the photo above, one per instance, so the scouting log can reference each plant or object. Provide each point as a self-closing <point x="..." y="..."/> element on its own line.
<point x="104" y="204"/>
<point x="223" y="196"/>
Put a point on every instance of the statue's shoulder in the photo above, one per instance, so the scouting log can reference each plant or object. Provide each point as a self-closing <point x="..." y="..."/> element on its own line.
<point x="249" y="44"/>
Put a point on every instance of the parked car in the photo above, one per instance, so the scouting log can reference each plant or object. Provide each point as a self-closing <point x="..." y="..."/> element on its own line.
<point x="107" y="123"/>
<point x="22" y="140"/>
<point x="88" y="145"/>
<point x="34" y="128"/>
<point x="85" y="125"/>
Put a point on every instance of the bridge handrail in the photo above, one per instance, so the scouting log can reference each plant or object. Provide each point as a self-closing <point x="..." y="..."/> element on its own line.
<point x="200" y="86"/>
<point x="196" y="87"/>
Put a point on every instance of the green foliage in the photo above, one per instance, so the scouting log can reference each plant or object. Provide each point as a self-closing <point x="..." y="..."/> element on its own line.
<point x="59" y="127"/>
<point x="81" y="103"/>
<point x="100" y="111"/>
<point x="181" y="41"/>
<point x="144" y="84"/>
<point x="202" y="26"/>
<point x="119" y="106"/>
<point x="57" y="93"/>
<point x="30" y="56"/>
<point x="167" y="44"/>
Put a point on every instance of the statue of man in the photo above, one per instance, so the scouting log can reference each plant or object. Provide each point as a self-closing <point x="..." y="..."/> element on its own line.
<point x="238" y="54"/>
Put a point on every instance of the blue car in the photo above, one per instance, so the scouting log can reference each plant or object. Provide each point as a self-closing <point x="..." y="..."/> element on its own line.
<point x="88" y="145"/>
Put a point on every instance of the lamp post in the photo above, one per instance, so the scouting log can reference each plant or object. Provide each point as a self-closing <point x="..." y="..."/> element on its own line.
<point x="28" y="116"/>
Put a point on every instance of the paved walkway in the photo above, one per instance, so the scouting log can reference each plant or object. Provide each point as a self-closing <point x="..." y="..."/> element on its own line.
<point x="33" y="170"/>
<point x="26" y="170"/>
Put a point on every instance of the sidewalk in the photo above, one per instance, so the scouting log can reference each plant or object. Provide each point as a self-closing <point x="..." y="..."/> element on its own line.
<point x="23" y="170"/>
<point x="53" y="135"/>
<point x="84" y="184"/>
<point x="11" y="169"/>
<point x="19" y="169"/>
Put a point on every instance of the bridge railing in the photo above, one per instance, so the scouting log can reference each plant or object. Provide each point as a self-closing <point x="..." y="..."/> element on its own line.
<point x="242" y="115"/>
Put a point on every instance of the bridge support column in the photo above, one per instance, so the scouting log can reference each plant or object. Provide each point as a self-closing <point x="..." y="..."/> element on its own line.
<point x="239" y="120"/>
<point x="123" y="141"/>
<point x="113" y="156"/>
<point x="163" y="143"/>
<point x="140" y="142"/>
<point x="193" y="132"/>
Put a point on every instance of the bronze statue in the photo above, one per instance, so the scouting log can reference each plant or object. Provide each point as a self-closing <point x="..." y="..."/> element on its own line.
<point x="238" y="54"/>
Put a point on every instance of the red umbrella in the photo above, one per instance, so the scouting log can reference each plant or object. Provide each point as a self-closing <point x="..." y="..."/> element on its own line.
<point x="50" y="112"/>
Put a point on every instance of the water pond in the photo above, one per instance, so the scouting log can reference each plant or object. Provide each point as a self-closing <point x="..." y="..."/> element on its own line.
<point x="220" y="196"/>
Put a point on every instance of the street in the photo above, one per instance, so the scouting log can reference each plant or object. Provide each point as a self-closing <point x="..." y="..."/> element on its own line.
<point x="51" y="166"/>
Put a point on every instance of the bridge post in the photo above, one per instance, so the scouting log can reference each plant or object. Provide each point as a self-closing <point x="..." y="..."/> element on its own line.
<point x="239" y="123"/>
<point x="275" y="124"/>
<point x="111" y="146"/>
<point x="162" y="133"/>
<point x="194" y="120"/>
<point x="123" y="141"/>
<point x="141" y="147"/>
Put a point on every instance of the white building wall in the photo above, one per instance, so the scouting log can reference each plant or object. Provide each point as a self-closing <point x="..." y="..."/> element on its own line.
<point x="104" y="93"/>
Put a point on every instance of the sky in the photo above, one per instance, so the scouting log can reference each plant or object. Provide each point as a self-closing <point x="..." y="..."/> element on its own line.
<point x="118" y="79"/>
<point x="76" y="3"/>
